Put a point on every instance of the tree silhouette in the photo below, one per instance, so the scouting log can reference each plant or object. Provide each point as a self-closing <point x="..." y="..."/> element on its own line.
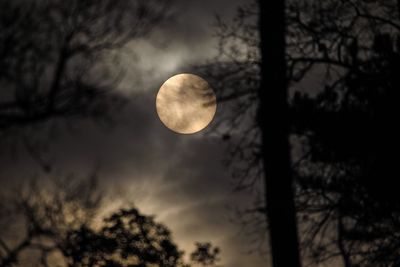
<point x="273" y="121"/>
<point x="49" y="50"/>
<point x="251" y="73"/>
<point x="58" y="61"/>
<point x="342" y="65"/>
<point x="205" y="254"/>
<point x="352" y="142"/>
<point x="346" y="175"/>
<point x="127" y="238"/>
<point x="60" y="222"/>
<point x="42" y="213"/>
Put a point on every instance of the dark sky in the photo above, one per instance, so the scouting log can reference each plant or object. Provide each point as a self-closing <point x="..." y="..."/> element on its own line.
<point x="179" y="178"/>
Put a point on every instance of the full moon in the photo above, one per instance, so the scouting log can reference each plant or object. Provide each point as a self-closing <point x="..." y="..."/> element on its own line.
<point x="186" y="103"/>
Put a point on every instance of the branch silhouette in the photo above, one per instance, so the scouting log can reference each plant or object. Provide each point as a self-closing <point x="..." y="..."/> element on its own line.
<point x="342" y="70"/>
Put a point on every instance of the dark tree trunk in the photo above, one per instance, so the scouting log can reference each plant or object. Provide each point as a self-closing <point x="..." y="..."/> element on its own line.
<point x="273" y="120"/>
<point x="398" y="9"/>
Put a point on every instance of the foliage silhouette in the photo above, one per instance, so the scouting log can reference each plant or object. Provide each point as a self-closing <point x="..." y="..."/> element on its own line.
<point x="205" y="254"/>
<point x="126" y="236"/>
<point x="353" y="142"/>
<point x="49" y="51"/>
<point x="342" y="71"/>
<point x="59" y="62"/>
<point x="61" y="222"/>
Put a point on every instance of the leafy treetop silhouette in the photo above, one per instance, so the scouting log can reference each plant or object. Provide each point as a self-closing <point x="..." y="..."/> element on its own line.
<point x="59" y="61"/>
<point x="342" y="62"/>
<point x="59" y="221"/>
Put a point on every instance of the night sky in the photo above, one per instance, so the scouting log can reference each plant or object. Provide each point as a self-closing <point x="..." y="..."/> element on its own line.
<point x="181" y="179"/>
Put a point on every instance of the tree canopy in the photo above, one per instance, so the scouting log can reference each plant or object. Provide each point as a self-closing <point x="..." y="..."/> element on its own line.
<point x="342" y="72"/>
<point x="60" y="222"/>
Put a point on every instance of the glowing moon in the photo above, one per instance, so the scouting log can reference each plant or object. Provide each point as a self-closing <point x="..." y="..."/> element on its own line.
<point x="186" y="103"/>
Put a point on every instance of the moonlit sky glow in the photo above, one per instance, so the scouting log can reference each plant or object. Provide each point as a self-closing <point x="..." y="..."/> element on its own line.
<point x="181" y="179"/>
